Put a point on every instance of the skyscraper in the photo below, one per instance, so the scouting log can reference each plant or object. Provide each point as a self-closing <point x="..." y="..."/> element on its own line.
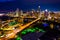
<point x="21" y="12"/>
<point x="46" y="12"/>
<point x="17" y="12"/>
<point x="39" y="9"/>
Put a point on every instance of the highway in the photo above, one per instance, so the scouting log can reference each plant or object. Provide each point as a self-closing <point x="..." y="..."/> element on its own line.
<point x="7" y="22"/>
<point x="15" y="31"/>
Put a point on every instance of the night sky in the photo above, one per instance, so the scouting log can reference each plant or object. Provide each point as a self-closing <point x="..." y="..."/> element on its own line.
<point x="53" y="5"/>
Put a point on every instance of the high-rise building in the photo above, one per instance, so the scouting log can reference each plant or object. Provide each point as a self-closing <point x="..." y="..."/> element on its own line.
<point x="39" y="9"/>
<point x="17" y="12"/>
<point x="21" y="12"/>
<point x="11" y="14"/>
<point x="46" y="12"/>
<point x="34" y="14"/>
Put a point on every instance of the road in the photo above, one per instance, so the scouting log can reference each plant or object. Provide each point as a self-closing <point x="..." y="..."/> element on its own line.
<point x="14" y="32"/>
<point x="7" y="22"/>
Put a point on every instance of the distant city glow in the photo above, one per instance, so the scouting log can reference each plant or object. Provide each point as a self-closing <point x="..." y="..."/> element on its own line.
<point x="1" y="14"/>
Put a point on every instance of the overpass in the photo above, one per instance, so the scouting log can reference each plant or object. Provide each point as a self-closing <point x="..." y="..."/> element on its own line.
<point x="7" y="22"/>
<point x="14" y="32"/>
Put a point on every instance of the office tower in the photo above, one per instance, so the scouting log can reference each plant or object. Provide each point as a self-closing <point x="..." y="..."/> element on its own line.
<point x="46" y="13"/>
<point x="39" y="9"/>
<point x="32" y="12"/>
<point x="21" y="12"/>
<point x="17" y="12"/>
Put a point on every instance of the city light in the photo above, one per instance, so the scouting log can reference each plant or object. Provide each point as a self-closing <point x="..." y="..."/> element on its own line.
<point x="23" y="22"/>
<point x="46" y="10"/>
<point x="38" y="6"/>
<point x="1" y="14"/>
